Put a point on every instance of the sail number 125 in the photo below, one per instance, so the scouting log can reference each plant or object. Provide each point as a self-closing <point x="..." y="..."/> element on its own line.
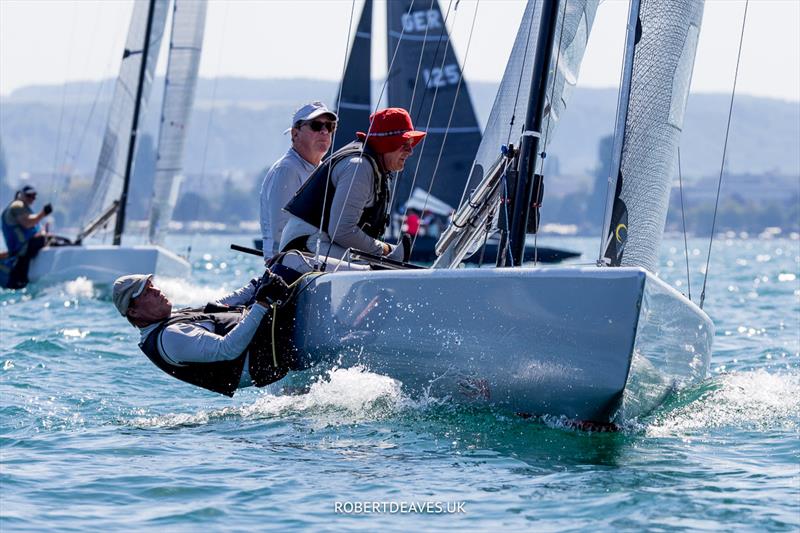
<point x="440" y="77"/>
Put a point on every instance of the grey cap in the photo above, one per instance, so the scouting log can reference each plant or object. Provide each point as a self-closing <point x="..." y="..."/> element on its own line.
<point x="310" y="112"/>
<point x="126" y="288"/>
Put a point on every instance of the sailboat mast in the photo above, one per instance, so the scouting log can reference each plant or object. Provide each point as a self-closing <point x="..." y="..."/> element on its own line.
<point x="633" y="35"/>
<point x="119" y="227"/>
<point x="529" y="146"/>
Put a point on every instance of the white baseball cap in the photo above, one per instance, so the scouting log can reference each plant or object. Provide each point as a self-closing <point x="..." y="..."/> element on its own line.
<point x="310" y="112"/>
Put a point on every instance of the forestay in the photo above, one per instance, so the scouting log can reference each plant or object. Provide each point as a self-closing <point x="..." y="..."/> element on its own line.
<point x="664" y="51"/>
<point x="110" y="173"/>
<point x="426" y="79"/>
<point x="574" y="23"/>
<point x="188" y="23"/>
<point x="353" y="106"/>
<point x="484" y="190"/>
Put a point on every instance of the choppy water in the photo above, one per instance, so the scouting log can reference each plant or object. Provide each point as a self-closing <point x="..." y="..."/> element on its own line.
<point x="93" y="436"/>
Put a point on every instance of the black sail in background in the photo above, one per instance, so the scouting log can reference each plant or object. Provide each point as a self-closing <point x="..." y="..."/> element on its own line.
<point x="354" y="107"/>
<point x="439" y="75"/>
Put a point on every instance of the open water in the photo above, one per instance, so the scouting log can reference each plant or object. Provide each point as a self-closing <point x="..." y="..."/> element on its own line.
<point x="92" y="435"/>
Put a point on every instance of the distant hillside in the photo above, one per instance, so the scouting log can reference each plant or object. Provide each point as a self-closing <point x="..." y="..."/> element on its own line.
<point x="237" y="124"/>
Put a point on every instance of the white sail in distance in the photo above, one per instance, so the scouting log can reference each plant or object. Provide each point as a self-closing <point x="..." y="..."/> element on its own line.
<point x="185" y="48"/>
<point x="110" y="173"/>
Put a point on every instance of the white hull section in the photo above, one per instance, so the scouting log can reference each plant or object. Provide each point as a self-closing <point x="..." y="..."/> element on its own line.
<point x="591" y="344"/>
<point x="104" y="263"/>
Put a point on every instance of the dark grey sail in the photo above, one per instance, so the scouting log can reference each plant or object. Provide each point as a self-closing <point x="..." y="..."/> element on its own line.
<point x="664" y="46"/>
<point x="425" y="61"/>
<point x="354" y="104"/>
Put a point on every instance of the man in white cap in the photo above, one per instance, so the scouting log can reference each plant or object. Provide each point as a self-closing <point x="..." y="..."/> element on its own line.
<point x="312" y="132"/>
<point x="226" y="345"/>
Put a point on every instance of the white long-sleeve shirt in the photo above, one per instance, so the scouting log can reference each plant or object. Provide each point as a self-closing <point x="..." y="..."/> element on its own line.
<point x="281" y="181"/>
<point x="196" y="342"/>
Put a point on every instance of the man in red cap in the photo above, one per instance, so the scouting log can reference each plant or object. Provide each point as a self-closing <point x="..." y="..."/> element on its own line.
<point x="345" y="204"/>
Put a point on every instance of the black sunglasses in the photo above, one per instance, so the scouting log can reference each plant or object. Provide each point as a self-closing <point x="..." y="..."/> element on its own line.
<point x="318" y="125"/>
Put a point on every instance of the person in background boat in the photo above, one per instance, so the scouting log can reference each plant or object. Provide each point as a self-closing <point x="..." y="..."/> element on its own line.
<point x="312" y="131"/>
<point x="24" y="236"/>
<point x="224" y="346"/>
<point x="352" y="206"/>
<point x="412" y="221"/>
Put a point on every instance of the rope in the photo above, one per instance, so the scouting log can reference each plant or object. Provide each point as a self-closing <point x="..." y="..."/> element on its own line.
<point x="683" y="217"/>
<point x="724" y="152"/>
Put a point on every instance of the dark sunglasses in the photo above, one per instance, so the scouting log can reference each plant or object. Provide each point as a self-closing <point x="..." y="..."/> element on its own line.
<point x="318" y="125"/>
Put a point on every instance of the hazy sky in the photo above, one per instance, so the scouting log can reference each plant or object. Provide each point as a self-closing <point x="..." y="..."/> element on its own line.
<point x="44" y="41"/>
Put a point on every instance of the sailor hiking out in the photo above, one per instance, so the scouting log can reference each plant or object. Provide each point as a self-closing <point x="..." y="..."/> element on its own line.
<point x="238" y="341"/>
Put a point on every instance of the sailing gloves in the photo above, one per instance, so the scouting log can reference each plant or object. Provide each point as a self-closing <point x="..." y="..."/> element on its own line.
<point x="402" y="251"/>
<point x="47" y="209"/>
<point x="272" y="289"/>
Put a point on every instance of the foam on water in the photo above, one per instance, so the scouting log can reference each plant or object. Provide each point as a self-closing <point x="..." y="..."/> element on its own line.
<point x="756" y="400"/>
<point x="342" y="396"/>
<point x="182" y="292"/>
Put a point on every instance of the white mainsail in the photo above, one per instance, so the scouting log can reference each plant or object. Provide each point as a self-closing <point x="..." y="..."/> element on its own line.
<point x="186" y="42"/>
<point x="664" y="52"/>
<point x="110" y="173"/>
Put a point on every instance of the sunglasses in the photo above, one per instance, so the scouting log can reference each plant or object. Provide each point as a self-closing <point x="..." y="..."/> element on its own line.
<point x="318" y="125"/>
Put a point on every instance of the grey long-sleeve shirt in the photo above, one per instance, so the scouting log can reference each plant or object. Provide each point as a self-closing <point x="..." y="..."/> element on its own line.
<point x="355" y="190"/>
<point x="196" y="342"/>
<point x="281" y="181"/>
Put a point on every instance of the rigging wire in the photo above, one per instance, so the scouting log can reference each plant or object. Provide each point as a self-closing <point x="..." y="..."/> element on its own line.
<point x="683" y="218"/>
<point x="68" y="158"/>
<point x="366" y="138"/>
<point x="433" y="103"/>
<point x="211" y="108"/>
<point x="63" y="104"/>
<point x="411" y="109"/>
<point x="724" y="152"/>
<point x="347" y="50"/>
<point x="603" y="230"/>
<point x="511" y="126"/>
<point x="450" y="118"/>
<point x="543" y="153"/>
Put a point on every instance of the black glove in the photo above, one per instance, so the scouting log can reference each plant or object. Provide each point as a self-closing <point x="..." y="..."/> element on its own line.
<point x="47" y="209"/>
<point x="272" y="289"/>
<point x="406" y="240"/>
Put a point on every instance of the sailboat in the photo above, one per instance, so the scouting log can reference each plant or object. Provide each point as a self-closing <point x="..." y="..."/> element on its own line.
<point x="591" y="344"/>
<point x="425" y="78"/>
<point x="103" y="263"/>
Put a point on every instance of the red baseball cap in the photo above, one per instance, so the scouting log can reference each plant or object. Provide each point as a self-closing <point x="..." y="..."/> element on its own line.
<point x="391" y="128"/>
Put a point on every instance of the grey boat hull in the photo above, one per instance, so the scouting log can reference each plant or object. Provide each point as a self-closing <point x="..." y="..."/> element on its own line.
<point x="589" y="344"/>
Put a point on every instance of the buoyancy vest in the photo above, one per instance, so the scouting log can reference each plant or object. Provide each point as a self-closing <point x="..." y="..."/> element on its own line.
<point x="311" y="203"/>
<point x="15" y="234"/>
<point x="223" y="376"/>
